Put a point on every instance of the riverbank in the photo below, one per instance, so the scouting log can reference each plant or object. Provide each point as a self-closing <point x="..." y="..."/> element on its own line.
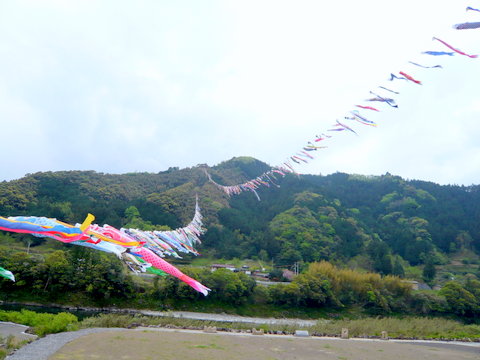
<point x="90" y="311"/>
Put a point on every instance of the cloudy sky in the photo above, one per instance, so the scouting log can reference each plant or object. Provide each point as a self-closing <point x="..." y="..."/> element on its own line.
<point x="134" y="86"/>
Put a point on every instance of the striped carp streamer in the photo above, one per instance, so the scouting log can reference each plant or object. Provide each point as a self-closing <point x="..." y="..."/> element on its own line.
<point x="266" y="179"/>
<point x="393" y="77"/>
<point x="44" y="227"/>
<point x="168" y="243"/>
<point x="426" y="67"/>
<point x="361" y="119"/>
<point x="384" y="88"/>
<point x="467" y="25"/>
<point x="322" y="137"/>
<point x="340" y="127"/>
<point x="456" y="50"/>
<point x="311" y="147"/>
<point x="388" y="101"/>
<point x="470" y="8"/>
<point x="438" y="53"/>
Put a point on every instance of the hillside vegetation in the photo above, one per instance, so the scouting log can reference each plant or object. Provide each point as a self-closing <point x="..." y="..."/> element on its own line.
<point x="382" y="224"/>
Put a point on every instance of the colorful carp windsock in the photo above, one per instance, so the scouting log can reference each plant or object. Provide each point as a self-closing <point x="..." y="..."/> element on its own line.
<point x="149" y="245"/>
<point x="7" y="274"/>
<point x="45" y="227"/>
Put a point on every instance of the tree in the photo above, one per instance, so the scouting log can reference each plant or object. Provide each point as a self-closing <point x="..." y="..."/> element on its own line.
<point x="276" y="274"/>
<point x="429" y="271"/>
<point x="380" y="254"/>
<point x="57" y="266"/>
<point x="398" y="268"/>
<point x="229" y="286"/>
<point x="460" y="301"/>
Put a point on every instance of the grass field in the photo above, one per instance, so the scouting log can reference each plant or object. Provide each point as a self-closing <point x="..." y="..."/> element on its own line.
<point x="170" y="345"/>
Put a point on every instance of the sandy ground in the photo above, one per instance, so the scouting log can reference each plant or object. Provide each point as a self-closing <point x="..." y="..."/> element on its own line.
<point x="150" y="344"/>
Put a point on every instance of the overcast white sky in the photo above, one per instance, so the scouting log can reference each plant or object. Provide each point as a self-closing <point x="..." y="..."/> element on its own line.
<point x="133" y="86"/>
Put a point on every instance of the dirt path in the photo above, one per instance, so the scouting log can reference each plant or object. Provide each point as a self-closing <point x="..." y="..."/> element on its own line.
<point x="150" y="344"/>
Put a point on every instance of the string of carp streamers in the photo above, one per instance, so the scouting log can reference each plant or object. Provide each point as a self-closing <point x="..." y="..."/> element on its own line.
<point x="384" y="97"/>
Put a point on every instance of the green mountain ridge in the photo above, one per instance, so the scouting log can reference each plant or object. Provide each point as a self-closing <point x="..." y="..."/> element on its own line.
<point x="383" y="223"/>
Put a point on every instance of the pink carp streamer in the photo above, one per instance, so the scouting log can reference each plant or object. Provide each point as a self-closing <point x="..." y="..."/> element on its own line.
<point x="456" y="50"/>
<point x="367" y="107"/>
<point x="158" y="263"/>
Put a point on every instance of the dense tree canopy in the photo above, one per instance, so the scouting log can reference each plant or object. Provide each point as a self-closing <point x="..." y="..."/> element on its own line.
<point x="309" y="218"/>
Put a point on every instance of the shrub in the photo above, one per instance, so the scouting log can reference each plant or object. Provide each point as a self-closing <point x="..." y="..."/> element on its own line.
<point x="42" y="323"/>
<point x="428" y="302"/>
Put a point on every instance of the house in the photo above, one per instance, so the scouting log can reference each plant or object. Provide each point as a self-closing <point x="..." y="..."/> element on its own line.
<point x="223" y="266"/>
<point x="417" y="285"/>
<point x="246" y="269"/>
<point x="260" y="275"/>
<point x="288" y="274"/>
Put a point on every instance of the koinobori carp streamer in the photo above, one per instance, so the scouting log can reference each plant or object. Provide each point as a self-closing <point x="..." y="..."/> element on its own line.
<point x="150" y="245"/>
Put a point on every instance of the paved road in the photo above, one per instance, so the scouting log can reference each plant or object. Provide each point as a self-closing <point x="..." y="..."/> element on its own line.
<point x="17" y="330"/>
<point x="45" y="347"/>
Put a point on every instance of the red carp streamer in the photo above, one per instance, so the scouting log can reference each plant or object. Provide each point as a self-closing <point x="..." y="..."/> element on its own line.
<point x="408" y="77"/>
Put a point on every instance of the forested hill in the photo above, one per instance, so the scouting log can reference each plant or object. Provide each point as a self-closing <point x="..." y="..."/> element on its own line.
<point x="382" y="221"/>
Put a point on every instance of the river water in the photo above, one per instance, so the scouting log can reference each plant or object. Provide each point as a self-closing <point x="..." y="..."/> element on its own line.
<point x="84" y="312"/>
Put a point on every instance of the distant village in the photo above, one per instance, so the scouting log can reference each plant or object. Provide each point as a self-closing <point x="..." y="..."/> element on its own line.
<point x="261" y="276"/>
<point x="264" y="278"/>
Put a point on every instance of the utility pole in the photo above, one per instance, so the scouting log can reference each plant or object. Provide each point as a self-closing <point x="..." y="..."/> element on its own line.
<point x="296" y="268"/>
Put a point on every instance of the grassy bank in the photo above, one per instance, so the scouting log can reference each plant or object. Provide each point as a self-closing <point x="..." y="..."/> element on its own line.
<point x="9" y="344"/>
<point x="402" y="328"/>
<point x="213" y="307"/>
